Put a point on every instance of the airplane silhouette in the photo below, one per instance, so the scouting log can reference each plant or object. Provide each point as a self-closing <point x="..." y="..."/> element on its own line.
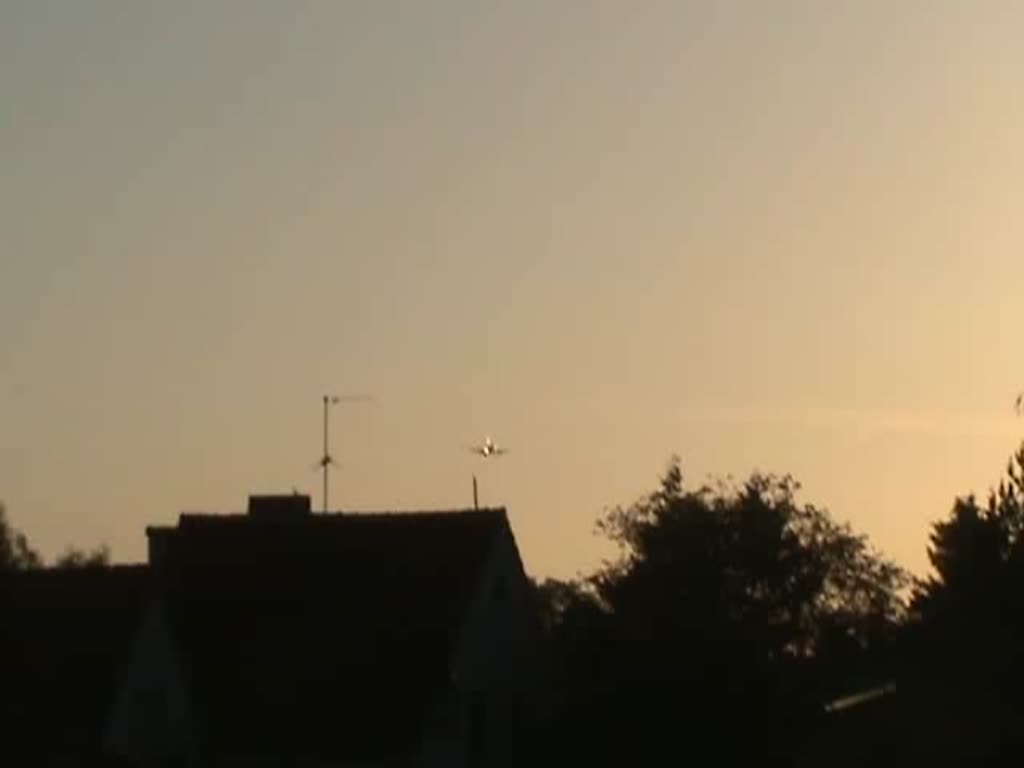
<point x="488" y="448"/>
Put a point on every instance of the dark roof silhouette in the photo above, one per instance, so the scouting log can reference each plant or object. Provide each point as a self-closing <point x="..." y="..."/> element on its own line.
<point x="333" y="632"/>
<point x="65" y="636"/>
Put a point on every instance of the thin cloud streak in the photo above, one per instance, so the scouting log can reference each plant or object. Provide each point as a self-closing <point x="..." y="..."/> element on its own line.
<point x="863" y="424"/>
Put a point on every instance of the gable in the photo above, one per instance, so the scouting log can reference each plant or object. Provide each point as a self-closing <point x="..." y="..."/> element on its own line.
<point x="499" y="641"/>
<point x="150" y="718"/>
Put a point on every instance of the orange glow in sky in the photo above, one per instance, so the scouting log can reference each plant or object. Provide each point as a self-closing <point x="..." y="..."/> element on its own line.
<point x="783" y="236"/>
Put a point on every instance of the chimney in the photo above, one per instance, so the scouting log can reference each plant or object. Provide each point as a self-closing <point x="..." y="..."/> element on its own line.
<point x="159" y="539"/>
<point x="280" y="507"/>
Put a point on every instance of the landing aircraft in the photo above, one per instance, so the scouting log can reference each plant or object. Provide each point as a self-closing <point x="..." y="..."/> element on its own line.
<point x="488" y="448"/>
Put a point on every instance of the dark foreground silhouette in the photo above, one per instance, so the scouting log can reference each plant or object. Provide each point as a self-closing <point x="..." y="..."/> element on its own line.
<point x="737" y="627"/>
<point x="279" y="638"/>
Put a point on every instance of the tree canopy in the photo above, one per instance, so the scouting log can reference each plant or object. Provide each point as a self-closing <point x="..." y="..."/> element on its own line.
<point x="81" y="558"/>
<point x="968" y="619"/>
<point x="15" y="552"/>
<point x="724" y="616"/>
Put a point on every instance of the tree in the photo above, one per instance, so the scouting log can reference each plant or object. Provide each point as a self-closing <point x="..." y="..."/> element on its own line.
<point x="17" y="555"/>
<point x="578" y="641"/>
<point x="978" y="558"/>
<point x="757" y="559"/>
<point x="969" y="620"/>
<point x="15" y="552"/>
<point x="73" y="558"/>
<point x="718" y="629"/>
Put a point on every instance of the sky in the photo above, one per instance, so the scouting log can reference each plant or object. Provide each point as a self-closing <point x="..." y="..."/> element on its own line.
<point x="779" y="236"/>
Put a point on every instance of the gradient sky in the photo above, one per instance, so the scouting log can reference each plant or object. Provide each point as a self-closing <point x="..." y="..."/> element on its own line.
<point x="780" y="235"/>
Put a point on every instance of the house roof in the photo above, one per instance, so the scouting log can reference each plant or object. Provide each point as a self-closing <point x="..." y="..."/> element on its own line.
<point x="65" y="636"/>
<point x="334" y="632"/>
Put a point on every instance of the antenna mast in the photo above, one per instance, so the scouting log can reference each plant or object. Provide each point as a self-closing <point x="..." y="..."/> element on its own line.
<point x="327" y="461"/>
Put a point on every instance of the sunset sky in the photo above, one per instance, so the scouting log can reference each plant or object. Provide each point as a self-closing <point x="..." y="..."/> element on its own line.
<point x="779" y="235"/>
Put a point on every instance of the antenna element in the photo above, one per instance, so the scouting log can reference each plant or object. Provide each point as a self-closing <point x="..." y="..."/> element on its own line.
<point x="327" y="461"/>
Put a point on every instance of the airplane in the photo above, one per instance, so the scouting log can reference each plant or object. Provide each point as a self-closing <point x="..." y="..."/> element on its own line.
<point x="488" y="448"/>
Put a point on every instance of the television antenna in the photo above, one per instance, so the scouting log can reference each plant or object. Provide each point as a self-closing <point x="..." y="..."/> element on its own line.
<point x="326" y="460"/>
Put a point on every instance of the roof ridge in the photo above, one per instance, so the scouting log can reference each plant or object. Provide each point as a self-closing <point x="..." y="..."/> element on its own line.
<point x="351" y="515"/>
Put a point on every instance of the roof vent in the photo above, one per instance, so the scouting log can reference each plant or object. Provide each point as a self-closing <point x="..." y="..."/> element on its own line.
<point x="280" y="507"/>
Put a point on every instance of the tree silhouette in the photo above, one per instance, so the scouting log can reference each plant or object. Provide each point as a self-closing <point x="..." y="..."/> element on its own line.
<point x="576" y="667"/>
<point x="17" y="555"/>
<point x="728" y="618"/>
<point x="969" y="622"/>
<point x="15" y="552"/>
<point x="78" y="558"/>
